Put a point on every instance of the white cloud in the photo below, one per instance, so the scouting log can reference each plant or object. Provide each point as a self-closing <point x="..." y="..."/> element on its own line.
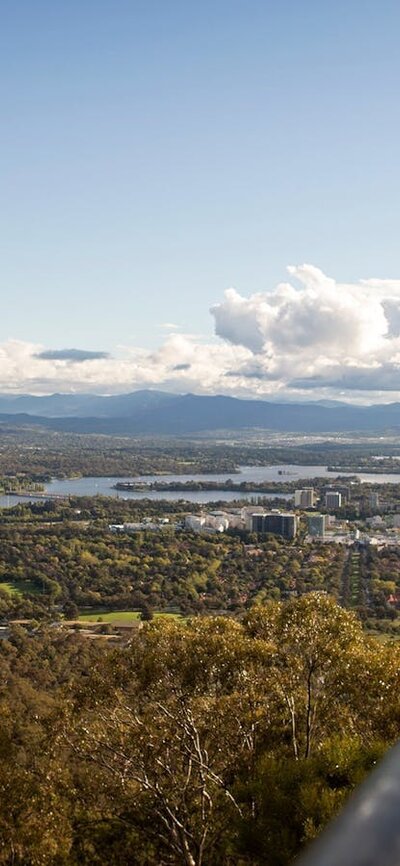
<point x="180" y="364"/>
<point x="321" y="315"/>
<point x="169" y="326"/>
<point x="308" y="337"/>
<point x="321" y="334"/>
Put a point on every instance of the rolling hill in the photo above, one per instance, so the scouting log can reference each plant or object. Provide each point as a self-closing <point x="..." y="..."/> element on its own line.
<point x="156" y="412"/>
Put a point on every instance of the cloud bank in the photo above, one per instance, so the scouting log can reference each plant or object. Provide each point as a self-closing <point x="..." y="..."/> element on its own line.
<point x="307" y="338"/>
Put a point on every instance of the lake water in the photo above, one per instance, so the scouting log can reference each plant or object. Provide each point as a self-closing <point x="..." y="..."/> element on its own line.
<point x="10" y="501"/>
<point x="104" y="486"/>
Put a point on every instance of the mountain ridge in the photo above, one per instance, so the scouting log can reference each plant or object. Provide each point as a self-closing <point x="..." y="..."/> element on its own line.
<point x="158" y="412"/>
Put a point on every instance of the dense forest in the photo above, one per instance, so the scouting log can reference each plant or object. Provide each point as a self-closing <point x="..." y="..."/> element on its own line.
<point x="201" y="743"/>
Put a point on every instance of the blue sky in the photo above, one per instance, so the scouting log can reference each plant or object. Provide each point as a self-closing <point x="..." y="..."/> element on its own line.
<point x="155" y="153"/>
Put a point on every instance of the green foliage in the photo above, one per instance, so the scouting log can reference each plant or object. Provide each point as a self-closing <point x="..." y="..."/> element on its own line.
<point x="205" y="742"/>
<point x="80" y="561"/>
<point x="296" y="800"/>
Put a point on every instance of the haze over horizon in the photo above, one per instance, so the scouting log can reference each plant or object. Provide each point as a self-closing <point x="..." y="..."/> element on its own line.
<point x="154" y="155"/>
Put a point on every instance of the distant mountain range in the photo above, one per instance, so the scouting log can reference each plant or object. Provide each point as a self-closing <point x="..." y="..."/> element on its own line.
<point x="83" y="405"/>
<point x="156" y="412"/>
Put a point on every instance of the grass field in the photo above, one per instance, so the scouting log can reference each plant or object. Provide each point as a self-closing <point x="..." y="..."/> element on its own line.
<point x="19" y="587"/>
<point x="121" y="616"/>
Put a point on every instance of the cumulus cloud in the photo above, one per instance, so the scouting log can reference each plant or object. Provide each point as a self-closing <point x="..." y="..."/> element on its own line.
<point x="180" y="364"/>
<point x="323" y="315"/>
<point x="317" y="333"/>
<point x="309" y="334"/>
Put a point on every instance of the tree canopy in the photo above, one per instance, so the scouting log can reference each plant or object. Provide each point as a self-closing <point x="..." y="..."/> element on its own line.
<point x="205" y="742"/>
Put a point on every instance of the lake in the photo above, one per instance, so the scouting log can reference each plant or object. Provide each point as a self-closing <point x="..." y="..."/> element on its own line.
<point x="285" y="472"/>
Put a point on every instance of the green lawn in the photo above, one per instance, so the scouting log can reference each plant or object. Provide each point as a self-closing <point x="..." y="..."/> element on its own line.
<point x="19" y="587"/>
<point x="120" y="616"/>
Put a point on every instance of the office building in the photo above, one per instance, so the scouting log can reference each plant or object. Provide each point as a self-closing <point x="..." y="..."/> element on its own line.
<point x="333" y="499"/>
<point x="374" y="500"/>
<point x="305" y="498"/>
<point x="276" y="524"/>
<point x="316" y="525"/>
<point x="343" y="489"/>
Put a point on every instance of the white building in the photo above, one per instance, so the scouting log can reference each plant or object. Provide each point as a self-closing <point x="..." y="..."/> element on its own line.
<point x="305" y="498"/>
<point x="195" y="522"/>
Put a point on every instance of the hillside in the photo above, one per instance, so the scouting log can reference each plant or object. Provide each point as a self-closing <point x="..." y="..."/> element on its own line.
<point x="154" y="412"/>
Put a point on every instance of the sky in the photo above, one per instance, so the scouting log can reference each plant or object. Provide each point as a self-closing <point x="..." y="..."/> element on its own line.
<point x="200" y="197"/>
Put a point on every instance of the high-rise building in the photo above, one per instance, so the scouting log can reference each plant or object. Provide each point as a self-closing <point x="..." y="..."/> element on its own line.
<point x="316" y="524"/>
<point x="374" y="500"/>
<point x="305" y="498"/>
<point x="333" y="499"/>
<point x="278" y="523"/>
<point x="343" y="489"/>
